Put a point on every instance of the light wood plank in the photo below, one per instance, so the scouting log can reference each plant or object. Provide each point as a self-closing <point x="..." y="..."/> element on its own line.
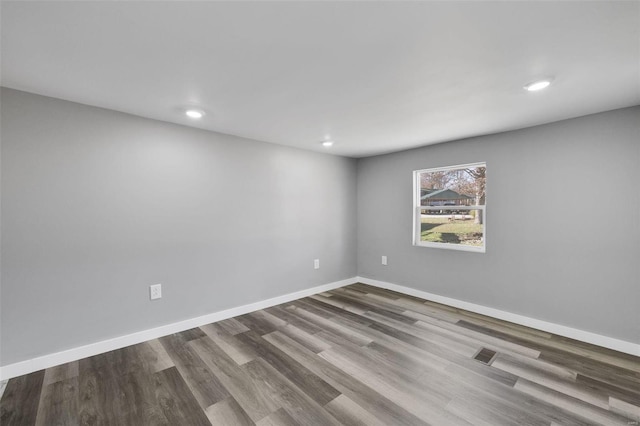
<point x="280" y="417"/>
<point x="156" y="356"/>
<point x="380" y="406"/>
<point x="345" y="332"/>
<point x="626" y="409"/>
<point x="238" y="351"/>
<point x="298" y="405"/>
<point x="580" y="408"/>
<point x="59" y="403"/>
<point x="232" y="326"/>
<point x="237" y="382"/>
<point x="350" y="413"/>
<point x="424" y="406"/>
<point x="205" y="387"/>
<point x="566" y="387"/>
<point x="228" y="413"/>
<point x="60" y="372"/>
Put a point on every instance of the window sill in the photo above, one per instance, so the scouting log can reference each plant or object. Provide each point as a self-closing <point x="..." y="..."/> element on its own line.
<point x="447" y="246"/>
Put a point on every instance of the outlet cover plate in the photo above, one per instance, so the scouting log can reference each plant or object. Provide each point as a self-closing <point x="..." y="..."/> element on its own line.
<point x="155" y="291"/>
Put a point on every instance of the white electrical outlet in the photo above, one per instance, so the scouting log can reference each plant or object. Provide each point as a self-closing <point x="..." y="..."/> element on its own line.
<point x="384" y="260"/>
<point x="155" y="291"/>
<point x="316" y="264"/>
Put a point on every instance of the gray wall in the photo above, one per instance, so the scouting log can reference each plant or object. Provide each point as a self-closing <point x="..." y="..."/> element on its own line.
<point x="563" y="223"/>
<point x="97" y="205"/>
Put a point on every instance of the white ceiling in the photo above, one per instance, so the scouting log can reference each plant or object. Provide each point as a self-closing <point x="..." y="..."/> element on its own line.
<point x="374" y="76"/>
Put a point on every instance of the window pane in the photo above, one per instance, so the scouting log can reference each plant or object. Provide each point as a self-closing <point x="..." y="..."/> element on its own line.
<point x="446" y="204"/>
<point x="453" y="187"/>
<point x="452" y="227"/>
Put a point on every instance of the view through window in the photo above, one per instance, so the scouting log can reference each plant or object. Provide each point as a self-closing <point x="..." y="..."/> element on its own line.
<point x="449" y="207"/>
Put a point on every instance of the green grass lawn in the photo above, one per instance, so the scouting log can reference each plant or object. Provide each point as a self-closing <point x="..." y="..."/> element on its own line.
<point x="442" y="230"/>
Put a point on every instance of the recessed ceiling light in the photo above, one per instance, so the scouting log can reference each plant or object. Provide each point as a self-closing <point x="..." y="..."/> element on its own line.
<point x="327" y="143"/>
<point x="194" y="113"/>
<point x="537" y="85"/>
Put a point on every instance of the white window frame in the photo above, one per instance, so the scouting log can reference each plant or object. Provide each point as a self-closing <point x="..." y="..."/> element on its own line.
<point x="417" y="212"/>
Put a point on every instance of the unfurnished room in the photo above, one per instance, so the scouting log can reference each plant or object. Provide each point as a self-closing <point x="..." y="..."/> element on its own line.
<point x="319" y="213"/>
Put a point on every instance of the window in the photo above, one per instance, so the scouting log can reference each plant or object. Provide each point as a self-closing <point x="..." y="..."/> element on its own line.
<point x="450" y="207"/>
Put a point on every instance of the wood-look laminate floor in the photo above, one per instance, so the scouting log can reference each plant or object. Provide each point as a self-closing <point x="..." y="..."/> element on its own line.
<point x="357" y="355"/>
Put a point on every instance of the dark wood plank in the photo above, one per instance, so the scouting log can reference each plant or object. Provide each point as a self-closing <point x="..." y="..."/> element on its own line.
<point x="594" y="369"/>
<point x="600" y="353"/>
<point x="139" y="389"/>
<point x="297" y="322"/>
<point x="102" y="388"/>
<point x="297" y="404"/>
<point x="632" y="396"/>
<point x="329" y="311"/>
<point x="232" y="326"/>
<point x="316" y="388"/>
<point x="257" y="324"/>
<point x="19" y="404"/>
<point x="93" y="397"/>
<point x="206" y="388"/>
<point x="363" y="395"/>
<point x="59" y="403"/>
<point x="192" y="334"/>
<point x="60" y="372"/>
<point x="387" y="294"/>
<point x="176" y="401"/>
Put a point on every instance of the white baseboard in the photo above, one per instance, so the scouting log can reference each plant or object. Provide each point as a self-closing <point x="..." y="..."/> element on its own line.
<point x="561" y="330"/>
<point x="74" y="354"/>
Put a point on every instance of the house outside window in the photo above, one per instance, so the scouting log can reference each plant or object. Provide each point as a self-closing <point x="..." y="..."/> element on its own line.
<point x="450" y="207"/>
